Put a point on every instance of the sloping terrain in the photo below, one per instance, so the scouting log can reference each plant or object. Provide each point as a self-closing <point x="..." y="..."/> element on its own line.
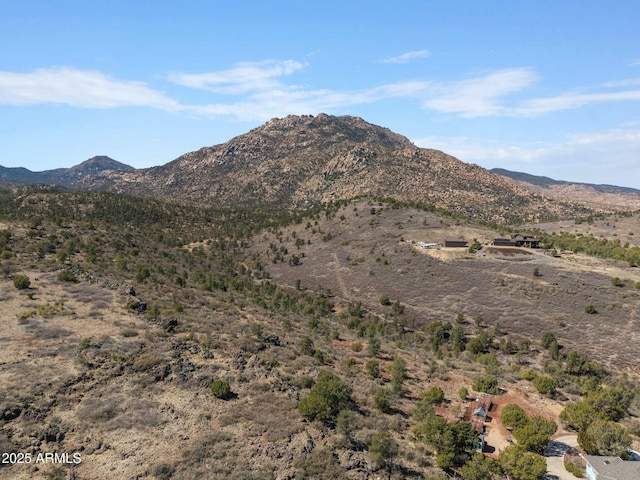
<point x="369" y="250"/>
<point x="61" y="176"/>
<point x="300" y="161"/>
<point x="136" y="307"/>
<point x="587" y="193"/>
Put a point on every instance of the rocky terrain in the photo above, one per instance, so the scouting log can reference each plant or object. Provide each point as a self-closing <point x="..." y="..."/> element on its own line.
<point x="300" y="161"/>
<point x="136" y="307"/>
<point x="279" y="319"/>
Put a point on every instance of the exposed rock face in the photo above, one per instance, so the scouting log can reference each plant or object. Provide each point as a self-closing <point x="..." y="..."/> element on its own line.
<point x="299" y="161"/>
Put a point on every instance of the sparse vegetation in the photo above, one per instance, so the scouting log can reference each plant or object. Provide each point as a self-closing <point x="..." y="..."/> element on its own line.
<point x="221" y="389"/>
<point x="173" y="299"/>
<point x="21" y="282"/>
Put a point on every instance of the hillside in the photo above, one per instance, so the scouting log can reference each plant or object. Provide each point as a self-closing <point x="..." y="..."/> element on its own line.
<point x="300" y="161"/>
<point x="61" y="176"/>
<point x="586" y="193"/>
<point x="137" y="306"/>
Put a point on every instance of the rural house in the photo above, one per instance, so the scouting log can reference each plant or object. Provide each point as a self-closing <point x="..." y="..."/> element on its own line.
<point x="611" y="468"/>
<point x="458" y="242"/>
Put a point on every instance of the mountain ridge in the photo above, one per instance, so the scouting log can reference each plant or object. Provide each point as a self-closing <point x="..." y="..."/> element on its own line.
<point x="302" y="161"/>
<point x="586" y="193"/>
<point x="62" y="176"/>
<point x="299" y="161"/>
<point x="546" y="182"/>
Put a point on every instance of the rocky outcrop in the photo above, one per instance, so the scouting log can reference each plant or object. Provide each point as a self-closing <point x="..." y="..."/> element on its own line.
<point x="298" y="161"/>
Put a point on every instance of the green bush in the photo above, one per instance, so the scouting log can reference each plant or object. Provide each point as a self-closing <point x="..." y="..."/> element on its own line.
<point x="590" y="309"/>
<point x="327" y="397"/>
<point x="373" y="368"/>
<point x="486" y="384"/>
<point x="513" y="416"/>
<point x="382" y="400"/>
<point x="617" y="282"/>
<point x="545" y="385"/>
<point x="221" y="389"/>
<point x="314" y="407"/>
<point x="383" y="448"/>
<point x="434" y="396"/>
<point x="67" y="276"/>
<point x="21" y="282"/>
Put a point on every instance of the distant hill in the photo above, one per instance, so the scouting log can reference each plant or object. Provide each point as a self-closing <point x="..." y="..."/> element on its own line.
<point x="298" y="161"/>
<point x="301" y="161"/>
<point x="62" y="176"/>
<point x="588" y="193"/>
<point x="547" y="182"/>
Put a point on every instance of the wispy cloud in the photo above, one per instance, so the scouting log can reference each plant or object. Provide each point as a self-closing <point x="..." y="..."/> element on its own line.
<point x="261" y="90"/>
<point x="242" y="78"/>
<point x="480" y="96"/>
<point x="87" y="89"/>
<point x="635" y="63"/>
<point x="407" y="57"/>
<point x="576" y="157"/>
<point x="540" y="106"/>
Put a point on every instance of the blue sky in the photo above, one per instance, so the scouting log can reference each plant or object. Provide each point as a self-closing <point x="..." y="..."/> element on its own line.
<point x="545" y="87"/>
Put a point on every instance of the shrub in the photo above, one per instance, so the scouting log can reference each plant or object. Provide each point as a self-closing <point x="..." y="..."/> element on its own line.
<point x="373" y="368"/>
<point x="398" y="373"/>
<point x="328" y="396"/>
<point x="67" y="276"/>
<point x="513" y="416"/>
<point x="547" y="340"/>
<point x="221" y="389"/>
<point x="463" y="393"/>
<point x="314" y="407"/>
<point x="21" y="282"/>
<point x="383" y="448"/>
<point x="382" y="400"/>
<point x="486" y="384"/>
<point x="434" y="396"/>
<point x="162" y="471"/>
<point x="590" y="309"/>
<point x="616" y="282"/>
<point x="545" y="385"/>
<point x="574" y="470"/>
<point x="305" y="344"/>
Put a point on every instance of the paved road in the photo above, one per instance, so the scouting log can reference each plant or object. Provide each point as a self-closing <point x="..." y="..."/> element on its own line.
<point x="555" y="453"/>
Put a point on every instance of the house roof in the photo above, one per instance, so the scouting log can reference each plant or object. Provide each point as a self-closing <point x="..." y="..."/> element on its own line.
<point x="614" y="468"/>
<point x="478" y="423"/>
<point x="480" y="411"/>
<point x="485" y="401"/>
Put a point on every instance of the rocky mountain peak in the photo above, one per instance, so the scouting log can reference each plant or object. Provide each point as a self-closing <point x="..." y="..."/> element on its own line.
<point x="302" y="160"/>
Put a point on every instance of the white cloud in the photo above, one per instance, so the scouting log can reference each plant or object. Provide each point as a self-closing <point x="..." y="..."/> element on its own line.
<point x="609" y="157"/>
<point x="407" y="57"/>
<point x="540" y="106"/>
<point x="242" y="78"/>
<point x="629" y="82"/>
<point x="479" y="96"/>
<point x="87" y="89"/>
<point x="258" y="91"/>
